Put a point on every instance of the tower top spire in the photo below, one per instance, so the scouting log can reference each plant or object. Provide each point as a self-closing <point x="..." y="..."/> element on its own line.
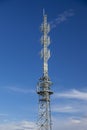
<point x="45" y="41"/>
<point x="43" y="11"/>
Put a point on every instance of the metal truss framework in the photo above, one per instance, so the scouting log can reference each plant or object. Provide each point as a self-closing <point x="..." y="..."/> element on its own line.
<point x="44" y="84"/>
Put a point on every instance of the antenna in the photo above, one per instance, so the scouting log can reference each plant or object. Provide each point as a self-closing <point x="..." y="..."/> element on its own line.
<point x="43" y="11"/>
<point x="44" y="84"/>
<point x="45" y="41"/>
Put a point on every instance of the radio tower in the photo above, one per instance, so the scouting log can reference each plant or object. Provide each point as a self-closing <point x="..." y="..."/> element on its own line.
<point x="44" y="84"/>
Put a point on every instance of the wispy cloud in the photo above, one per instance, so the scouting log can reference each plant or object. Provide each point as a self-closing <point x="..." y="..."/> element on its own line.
<point x="64" y="109"/>
<point x="72" y="108"/>
<point x="20" y="90"/>
<point x="3" y="115"/>
<point x="58" y="123"/>
<point x="62" y="18"/>
<point x="74" y="104"/>
<point x="72" y="94"/>
<point x="70" y="123"/>
<point x="22" y="125"/>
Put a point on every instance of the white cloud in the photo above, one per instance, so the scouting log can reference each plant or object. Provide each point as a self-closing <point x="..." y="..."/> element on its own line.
<point x="64" y="109"/>
<point x="3" y="115"/>
<point x="75" y="121"/>
<point x="61" y="18"/>
<point x="70" y="108"/>
<point x="23" y="125"/>
<point x="70" y="123"/>
<point x="61" y="123"/>
<point x="58" y="124"/>
<point x="72" y="94"/>
<point x="20" y="90"/>
<point x="76" y="105"/>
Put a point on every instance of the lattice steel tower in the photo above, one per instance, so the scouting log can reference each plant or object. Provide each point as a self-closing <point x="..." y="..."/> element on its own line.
<point x="44" y="84"/>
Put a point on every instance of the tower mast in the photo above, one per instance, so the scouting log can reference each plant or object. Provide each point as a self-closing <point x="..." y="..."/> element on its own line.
<point x="44" y="84"/>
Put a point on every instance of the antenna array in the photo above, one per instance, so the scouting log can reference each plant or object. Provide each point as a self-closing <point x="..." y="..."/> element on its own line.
<point x="44" y="84"/>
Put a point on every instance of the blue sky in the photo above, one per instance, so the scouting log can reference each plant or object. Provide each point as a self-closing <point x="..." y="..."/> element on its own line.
<point x="21" y="66"/>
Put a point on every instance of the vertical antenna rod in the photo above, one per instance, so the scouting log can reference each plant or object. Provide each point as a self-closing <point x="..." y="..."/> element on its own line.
<point x="44" y="84"/>
<point x="43" y="12"/>
<point x="45" y="41"/>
